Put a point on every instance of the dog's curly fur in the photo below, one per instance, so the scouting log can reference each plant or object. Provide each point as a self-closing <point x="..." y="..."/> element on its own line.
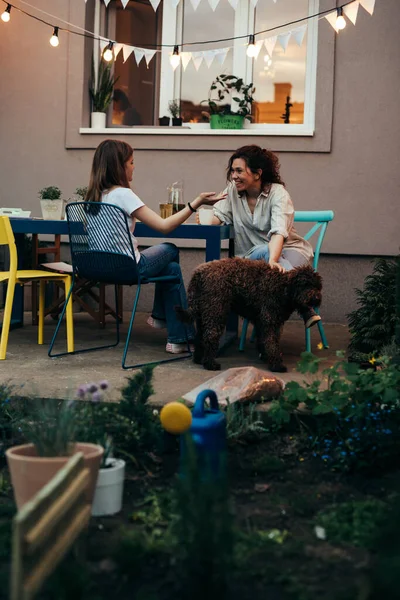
<point x="254" y="290"/>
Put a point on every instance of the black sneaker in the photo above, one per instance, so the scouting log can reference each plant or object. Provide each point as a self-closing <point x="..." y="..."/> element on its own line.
<point x="310" y="317"/>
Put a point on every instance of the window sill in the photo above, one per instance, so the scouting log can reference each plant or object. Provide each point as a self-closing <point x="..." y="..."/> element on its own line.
<point x="292" y="130"/>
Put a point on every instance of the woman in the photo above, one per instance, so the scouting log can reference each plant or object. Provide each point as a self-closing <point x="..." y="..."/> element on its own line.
<point x="112" y="172"/>
<point x="261" y="212"/>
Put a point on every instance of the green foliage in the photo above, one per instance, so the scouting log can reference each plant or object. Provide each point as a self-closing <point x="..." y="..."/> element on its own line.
<point x="243" y="423"/>
<point x="384" y="574"/>
<point x="101" y="95"/>
<point x="7" y="418"/>
<point x="372" y="325"/>
<point x="50" y="427"/>
<point x="51" y="192"/>
<point x="352" y="416"/>
<point x="81" y="191"/>
<point x="356" y="522"/>
<point x="174" y="108"/>
<point x="225" y="86"/>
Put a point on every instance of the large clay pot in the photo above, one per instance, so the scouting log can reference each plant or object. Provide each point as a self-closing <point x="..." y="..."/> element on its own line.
<point x="29" y="472"/>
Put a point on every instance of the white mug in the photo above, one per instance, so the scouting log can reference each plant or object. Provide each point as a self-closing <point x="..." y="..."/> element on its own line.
<point x="206" y="216"/>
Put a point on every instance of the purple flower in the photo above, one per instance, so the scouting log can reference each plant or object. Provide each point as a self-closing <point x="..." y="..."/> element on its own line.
<point x="103" y="385"/>
<point x="92" y="388"/>
<point x="81" y="391"/>
<point x="96" y="397"/>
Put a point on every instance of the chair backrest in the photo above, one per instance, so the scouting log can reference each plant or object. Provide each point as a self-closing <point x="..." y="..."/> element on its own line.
<point x="45" y="528"/>
<point x="101" y="243"/>
<point x="7" y="239"/>
<point x="320" y="218"/>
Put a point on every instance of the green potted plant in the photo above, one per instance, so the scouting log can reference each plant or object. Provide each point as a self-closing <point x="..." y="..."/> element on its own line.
<point x="101" y="93"/>
<point x="223" y="90"/>
<point x="174" y="108"/>
<point x="50" y="430"/>
<point x="51" y="203"/>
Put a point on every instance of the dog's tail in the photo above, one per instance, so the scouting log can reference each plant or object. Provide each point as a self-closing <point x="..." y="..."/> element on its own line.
<point x="184" y="315"/>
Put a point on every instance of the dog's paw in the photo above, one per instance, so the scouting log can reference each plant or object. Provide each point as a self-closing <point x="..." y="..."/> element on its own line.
<point x="277" y="368"/>
<point x="212" y="366"/>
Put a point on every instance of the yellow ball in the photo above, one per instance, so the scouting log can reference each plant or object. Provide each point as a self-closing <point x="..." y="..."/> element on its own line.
<point x="175" y="417"/>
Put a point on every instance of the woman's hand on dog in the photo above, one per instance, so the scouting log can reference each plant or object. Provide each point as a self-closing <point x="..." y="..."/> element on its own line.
<point x="276" y="265"/>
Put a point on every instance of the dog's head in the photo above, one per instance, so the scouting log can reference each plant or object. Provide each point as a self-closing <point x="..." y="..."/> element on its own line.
<point x="305" y="286"/>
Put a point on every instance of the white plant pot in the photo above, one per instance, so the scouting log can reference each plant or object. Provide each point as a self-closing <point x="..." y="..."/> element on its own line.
<point x="52" y="209"/>
<point x="109" y="489"/>
<point x="98" y="120"/>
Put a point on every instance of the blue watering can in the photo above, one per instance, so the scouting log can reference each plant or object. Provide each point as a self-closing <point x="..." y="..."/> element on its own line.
<point x="207" y="434"/>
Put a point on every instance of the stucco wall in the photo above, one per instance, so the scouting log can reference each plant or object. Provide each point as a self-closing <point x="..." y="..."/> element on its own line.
<point x="358" y="178"/>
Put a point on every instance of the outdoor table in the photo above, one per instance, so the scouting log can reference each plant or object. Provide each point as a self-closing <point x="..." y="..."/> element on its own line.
<point x="212" y="234"/>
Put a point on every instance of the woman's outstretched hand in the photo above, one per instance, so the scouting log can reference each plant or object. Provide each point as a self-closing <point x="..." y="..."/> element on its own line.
<point x="208" y="198"/>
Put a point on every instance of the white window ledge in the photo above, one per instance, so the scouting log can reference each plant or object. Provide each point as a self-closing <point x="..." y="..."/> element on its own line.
<point x="291" y="130"/>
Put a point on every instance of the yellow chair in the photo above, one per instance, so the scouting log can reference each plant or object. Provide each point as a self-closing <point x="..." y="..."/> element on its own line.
<point x="13" y="276"/>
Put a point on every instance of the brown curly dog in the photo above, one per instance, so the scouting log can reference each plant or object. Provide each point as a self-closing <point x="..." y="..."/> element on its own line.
<point x="254" y="290"/>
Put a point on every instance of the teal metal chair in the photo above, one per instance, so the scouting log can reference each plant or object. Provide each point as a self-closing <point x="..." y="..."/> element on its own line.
<point x="320" y="218"/>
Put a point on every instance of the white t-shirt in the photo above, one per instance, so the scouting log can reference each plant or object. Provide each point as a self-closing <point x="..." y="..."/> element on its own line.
<point x="129" y="202"/>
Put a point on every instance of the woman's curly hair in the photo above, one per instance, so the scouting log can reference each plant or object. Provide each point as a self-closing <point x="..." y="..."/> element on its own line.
<point x="257" y="158"/>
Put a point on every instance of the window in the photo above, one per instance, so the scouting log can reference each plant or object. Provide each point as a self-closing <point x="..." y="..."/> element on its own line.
<point x="284" y="100"/>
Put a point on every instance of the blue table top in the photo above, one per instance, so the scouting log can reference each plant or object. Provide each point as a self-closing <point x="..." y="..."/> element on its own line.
<point x="190" y="231"/>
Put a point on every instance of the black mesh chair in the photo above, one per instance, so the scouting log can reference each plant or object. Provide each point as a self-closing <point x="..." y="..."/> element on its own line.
<point x="102" y="251"/>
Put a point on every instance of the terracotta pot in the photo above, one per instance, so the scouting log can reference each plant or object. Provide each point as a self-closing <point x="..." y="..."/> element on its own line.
<point x="29" y="472"/>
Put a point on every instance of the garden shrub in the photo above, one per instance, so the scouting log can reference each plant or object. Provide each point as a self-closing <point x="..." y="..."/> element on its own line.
<point x="372" y="324"/>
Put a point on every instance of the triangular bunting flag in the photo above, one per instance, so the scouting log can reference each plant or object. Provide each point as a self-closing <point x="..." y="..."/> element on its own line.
<point x="283" y="39"/>
<point x="155" y="4"/>
<point x="185" y="59"/>
<point x="139" y="53"/>
<point x="213" y="3"/>
<point x="351" y="11"/>
<point x="209" y="56"/>
<point x="298" y="34"/>
<point x="220" y="55"/>
<point x="270" y="43"/>
<point x="254" y="2"/>
<point x="127" y="51"/>
<point x="148" y="55"/>
<point x="124" y="3"/>
<point x="174" y="3"/>
<point x="331" y="18"/>
<point x="234" y="3"/>
<point x="117" y="48"/>
<point x="106" y="2"/>
<point x="197" y="58"/>
<point x="195" y="3"/>
<point x="369" y="5"/>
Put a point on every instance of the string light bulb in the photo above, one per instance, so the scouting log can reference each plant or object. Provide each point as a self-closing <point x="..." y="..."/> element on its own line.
<point x="108" y="54"/>
<point x="252" y="51"/>
<point x="340" y="20"/>
<point x="6" y="14"/>
<point x="54" y="41"/>
<point x="175" y="59"/>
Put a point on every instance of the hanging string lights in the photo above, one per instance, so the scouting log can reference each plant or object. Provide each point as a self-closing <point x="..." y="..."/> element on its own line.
<point x="6" y="14"/>
<point x="335" y="16"/>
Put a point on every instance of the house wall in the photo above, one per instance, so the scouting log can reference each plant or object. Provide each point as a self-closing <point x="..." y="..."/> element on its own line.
<point x="358" y="177"/>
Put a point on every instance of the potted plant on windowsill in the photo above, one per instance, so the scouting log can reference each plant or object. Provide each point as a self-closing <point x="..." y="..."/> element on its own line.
<point x="101" y="93"/>
<point x="175" y="110"/>
<point x="51" y="203"/>
<point x="50" y="428"/>
<point x="223" y="114"/>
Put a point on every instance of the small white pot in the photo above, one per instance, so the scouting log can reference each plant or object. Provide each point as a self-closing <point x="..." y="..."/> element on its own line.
<point x="98" y="120"/>
<point x="109" y="489"/>
<point x="52" y="209"/>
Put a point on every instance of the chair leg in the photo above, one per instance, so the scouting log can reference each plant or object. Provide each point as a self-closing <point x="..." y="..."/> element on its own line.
<point x="7" y="319"/>
<point x="243" y="335"/>
<point x="308" y="339"/>
<point x="70" y="337"/>
<point x="69" y="317"/>
<point x="42" y="291"/>
<point x="128" y="337"/>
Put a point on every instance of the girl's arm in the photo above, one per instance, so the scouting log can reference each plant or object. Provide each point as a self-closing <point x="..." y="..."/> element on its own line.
<point x="275" y="246"/>
<point x="147" y="216"/>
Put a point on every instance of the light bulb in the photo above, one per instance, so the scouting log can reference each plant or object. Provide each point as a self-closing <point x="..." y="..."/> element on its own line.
<point x="108" y="54"/>
<point x="54" y="41"/>
<point x="340" y="20"/>
<point x="251" y="51"/>
<point x="6" y="14"/>
<point x="175" y="59"/>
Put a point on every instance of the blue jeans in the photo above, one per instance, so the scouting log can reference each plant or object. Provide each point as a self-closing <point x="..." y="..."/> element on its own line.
<point x="289" y="259"/>
<point x="163" y="259"/>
